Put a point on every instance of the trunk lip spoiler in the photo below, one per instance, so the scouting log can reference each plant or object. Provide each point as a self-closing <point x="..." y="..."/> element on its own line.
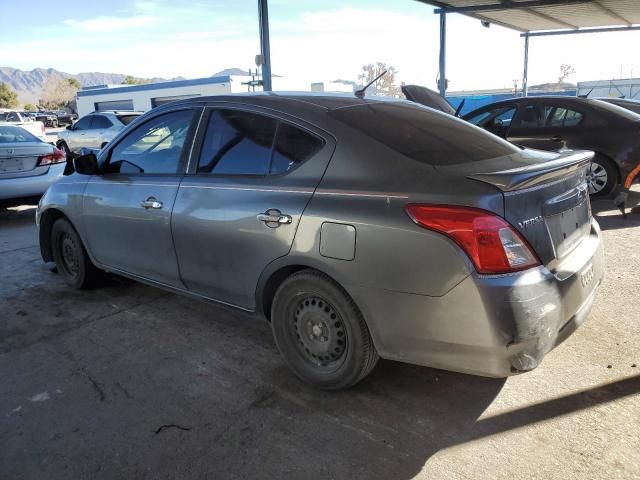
<point x="536" y="174"/>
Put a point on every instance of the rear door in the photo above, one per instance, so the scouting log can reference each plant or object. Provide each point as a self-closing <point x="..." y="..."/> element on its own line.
<point x="127" y="209"/>
<point x="531" y="128"/>
<point x="251" y="177"/>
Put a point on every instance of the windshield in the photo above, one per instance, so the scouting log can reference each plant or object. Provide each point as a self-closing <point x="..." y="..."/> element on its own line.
<point x="15" y="135"/>
<point x="424" y="134"/>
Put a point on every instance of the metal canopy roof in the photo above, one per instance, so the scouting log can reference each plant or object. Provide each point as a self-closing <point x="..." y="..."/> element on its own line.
<point x="534" y="15"/>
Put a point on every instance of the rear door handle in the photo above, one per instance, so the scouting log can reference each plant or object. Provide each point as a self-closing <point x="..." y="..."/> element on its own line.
<point x="274" y="218"/>
<point x="151" y="202"/>
<point x="556" y="138"/>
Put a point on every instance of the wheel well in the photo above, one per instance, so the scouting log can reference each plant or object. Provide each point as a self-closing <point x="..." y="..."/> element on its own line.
<point x="46" y="222"/>
<point x="272" y="284"/>
<point x="615" y="166"/>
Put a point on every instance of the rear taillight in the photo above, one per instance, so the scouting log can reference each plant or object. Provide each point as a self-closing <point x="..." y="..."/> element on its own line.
<point x="57" y="156"/>
<point x="491" y="243"/>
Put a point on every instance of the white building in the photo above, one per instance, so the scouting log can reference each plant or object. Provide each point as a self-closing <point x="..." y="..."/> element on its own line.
<point x="624" y="87"/>
<point x="145" y="97"/>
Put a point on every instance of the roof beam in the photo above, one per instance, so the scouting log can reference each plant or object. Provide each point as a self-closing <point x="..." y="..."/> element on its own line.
<point x="504" y="6"/>
<point x="582" y="30"/>
<point x="610" y="12"/>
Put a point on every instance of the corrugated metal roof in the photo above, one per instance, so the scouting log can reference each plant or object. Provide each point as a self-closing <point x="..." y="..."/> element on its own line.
<point x="529" y="15"/>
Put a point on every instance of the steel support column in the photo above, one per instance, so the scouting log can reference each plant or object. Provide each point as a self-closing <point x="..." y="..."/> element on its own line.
<point x="525" y="75"/>
<point x="442" y="81"/>
<point x="265" y="50"/>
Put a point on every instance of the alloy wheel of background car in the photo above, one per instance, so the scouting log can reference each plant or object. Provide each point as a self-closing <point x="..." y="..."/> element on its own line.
<point x="320" y="332"/>
<point x="601" y="177"/>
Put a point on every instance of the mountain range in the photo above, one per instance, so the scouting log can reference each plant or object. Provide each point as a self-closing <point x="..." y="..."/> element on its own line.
<point x="30" y="84"/>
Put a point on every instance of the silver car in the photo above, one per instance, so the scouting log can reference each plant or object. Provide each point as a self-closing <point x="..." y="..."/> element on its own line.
<point x="27" y="164"/>
<point x="359" y="228"/>
<point x="94" y="130"/>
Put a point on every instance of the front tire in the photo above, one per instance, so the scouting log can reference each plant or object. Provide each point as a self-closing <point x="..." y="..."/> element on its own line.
<point x="70" y="256"/>
<point x="320" y="332"/>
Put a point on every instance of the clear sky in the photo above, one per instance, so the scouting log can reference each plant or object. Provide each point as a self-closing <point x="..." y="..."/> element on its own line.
<point x="311" y="41"/>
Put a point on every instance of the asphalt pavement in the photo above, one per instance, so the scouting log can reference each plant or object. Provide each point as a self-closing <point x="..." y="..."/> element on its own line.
<point x="127" y="381"/>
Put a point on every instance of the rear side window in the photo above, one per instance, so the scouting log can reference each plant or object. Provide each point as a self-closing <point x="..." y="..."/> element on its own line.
<point x="127" y="119"/>
<point x="293" y="146"/>
<point x="237" y="143"/>
<point x="563" y="117"/>
<point x="424" y="134"/>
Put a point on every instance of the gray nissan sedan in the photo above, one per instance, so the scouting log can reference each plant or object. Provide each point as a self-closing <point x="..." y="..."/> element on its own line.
<point x="360" y="228"/>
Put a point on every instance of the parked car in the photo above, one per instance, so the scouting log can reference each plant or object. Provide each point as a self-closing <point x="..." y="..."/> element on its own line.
<point x="18" y="119"/>
<point x="50" y="119"/>
<point x="360" y="228"/>
<point x="65" y="118"/>
<point x="27" y="164"/>
<point x="628" y="103"/>
<point x="557" y="123"/>
<point x="94" y="130"/>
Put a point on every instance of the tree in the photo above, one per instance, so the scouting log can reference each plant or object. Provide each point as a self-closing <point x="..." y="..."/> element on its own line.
<point x="8" y="96"/>
<point x="131" y="80"/>
<point x="386" y="85"/>
<point x="30" y="107"/>
<point x="565" y="72"/>
<point x="60" y="94"/>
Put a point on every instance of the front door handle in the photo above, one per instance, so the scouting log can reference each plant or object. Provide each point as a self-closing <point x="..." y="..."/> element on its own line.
<point x="556" y="138"/>
<point x="151" y="202"/>
<point x="274" y="218"/>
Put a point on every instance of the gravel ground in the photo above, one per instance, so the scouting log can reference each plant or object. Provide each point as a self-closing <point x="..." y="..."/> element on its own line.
<point x="126" y="381"/>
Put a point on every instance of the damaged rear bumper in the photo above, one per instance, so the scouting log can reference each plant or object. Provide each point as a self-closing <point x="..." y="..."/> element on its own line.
<point x="489" y="325"/>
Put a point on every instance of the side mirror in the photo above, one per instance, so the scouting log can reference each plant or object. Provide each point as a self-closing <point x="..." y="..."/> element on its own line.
<point x="86" y="164"/>
<point x="69" y="127"/>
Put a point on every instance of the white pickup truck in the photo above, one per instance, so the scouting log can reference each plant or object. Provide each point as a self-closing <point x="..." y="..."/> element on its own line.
<point x="17" y="119"/>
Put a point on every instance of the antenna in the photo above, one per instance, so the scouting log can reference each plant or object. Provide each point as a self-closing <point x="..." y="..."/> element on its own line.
<point x="360" y="93"/>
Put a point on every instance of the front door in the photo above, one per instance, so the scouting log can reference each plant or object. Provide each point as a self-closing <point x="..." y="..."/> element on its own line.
<point x="239" y="208"/>
<point x="128" y="208"/>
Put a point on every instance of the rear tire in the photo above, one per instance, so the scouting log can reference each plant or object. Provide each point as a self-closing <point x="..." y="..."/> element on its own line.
<point x="70" y="256"/>
<point x="602" y="177"/>
<point x="320" y="332"/>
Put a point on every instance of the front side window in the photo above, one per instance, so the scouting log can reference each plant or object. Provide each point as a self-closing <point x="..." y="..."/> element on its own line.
<point x="237" y="143"/>
<point x="84" y="123"/>
<point x="155" y="147"/>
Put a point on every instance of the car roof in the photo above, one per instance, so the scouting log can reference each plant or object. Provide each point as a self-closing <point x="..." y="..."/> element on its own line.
<point x="321" y="100"/>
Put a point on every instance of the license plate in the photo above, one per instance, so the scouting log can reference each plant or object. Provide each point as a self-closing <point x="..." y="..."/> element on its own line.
<point x="11" y="165"/>
<point x="586" y="277"/>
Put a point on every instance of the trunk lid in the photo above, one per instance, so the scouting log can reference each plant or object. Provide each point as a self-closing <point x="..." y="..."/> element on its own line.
<point x="20" y="158"/>
<point x="545" y="196"/>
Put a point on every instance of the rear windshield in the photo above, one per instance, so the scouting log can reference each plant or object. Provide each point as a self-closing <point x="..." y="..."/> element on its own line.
<point x="15" y="135"/>
<point x="127" y="119"/>
<point x="616" y="110"/>
<point x="424" y="134"/>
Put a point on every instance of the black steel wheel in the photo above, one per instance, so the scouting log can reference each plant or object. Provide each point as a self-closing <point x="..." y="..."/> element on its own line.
<point x="320" y="332"/>
<point x="70" y="256"/>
